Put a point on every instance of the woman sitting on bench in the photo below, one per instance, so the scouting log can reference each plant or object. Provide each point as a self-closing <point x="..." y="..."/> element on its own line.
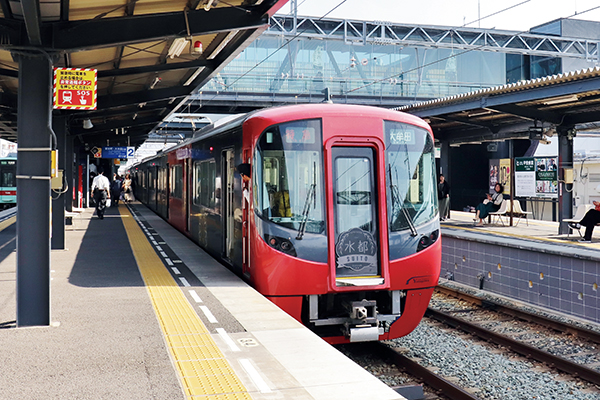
<point x="589" y="220"/>
<point x="491" y="204"/>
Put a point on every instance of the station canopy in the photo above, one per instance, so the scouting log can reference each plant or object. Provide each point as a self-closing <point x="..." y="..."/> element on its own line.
<point x="150" y="54"/>
<point x="570" y="100"/>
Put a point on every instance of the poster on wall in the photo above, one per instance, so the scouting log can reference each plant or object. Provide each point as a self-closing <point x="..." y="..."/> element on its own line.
<point x="500" y="173"/>
<point x="525" y="177"/>
<point x="536" y="177"/>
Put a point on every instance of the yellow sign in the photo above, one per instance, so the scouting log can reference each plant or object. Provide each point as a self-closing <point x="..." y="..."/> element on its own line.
<point x="504" y="177"/>
<point x="75" y="88"/>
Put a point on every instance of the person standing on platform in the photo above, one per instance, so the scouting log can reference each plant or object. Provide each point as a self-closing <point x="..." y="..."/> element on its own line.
<point x="128" y="189"/>
<point x="444" y="198"/>
<point x="589" y="220"/>
<point x="100" y="192"/>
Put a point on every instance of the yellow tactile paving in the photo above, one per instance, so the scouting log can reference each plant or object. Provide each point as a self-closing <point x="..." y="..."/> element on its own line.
<point x="7" y="222"/>
<point x="202" y="368"/>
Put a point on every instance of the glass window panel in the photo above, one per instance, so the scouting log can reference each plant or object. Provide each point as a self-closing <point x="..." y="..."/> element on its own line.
<point x="288" y="177"/>
<point x="410" y="173"/>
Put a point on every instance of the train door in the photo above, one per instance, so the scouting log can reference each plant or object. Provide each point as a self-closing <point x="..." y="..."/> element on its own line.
<point x="168" y="189"/>
<point x="356" y="220"/>
<point x="228" y="205"/>
<point x="186" y="185"/>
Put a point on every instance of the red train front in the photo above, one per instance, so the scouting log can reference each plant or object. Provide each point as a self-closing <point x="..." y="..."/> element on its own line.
<point x="338" y="224"/>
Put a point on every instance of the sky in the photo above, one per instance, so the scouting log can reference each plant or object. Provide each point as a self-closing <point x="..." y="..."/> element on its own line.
<point x="523" y="15"/>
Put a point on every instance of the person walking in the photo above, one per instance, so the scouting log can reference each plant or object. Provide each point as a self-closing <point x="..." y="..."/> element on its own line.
<point x="100" y="192"/>
<point x="444" y="198"/>
<point x="116" y="190"/>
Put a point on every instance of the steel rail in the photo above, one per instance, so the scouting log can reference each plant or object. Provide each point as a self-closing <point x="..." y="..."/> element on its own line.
<point x="524" y="315"/>
<point x="446" y="387"/>
<point x="559" y="363"/>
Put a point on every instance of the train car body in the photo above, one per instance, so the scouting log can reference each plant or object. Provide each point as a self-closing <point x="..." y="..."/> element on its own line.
<point x="8" y="182"/>
<point x="338" y="224"/>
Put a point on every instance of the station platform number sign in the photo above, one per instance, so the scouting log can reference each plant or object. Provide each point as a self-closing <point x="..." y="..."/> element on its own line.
<point x="121" y="152"/>
<point x="75" y="88"/>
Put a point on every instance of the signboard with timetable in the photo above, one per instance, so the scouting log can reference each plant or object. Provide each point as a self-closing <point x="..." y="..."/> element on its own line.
<point x="536" y="177"/>
<point x="75" y="88"/>
<point x="118" y="152"/>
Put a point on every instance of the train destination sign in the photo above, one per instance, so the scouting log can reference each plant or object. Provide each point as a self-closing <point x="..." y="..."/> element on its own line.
<point x="118" y="152"/>
<point x="75" y="88"/>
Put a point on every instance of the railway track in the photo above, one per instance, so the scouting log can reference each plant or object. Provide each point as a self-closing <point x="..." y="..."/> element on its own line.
<point x="443" y="387"/>
<point x="522" y="355"/>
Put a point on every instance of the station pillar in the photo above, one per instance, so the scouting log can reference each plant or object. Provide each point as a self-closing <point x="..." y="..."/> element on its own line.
<point x="33" y="190"/>
<point x="69" y="176"/>
<point x="565" y="191"/>
<point x="59" y="124"/>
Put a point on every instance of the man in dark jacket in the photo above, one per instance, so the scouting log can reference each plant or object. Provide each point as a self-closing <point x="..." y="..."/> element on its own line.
<point x="444" y="198"/>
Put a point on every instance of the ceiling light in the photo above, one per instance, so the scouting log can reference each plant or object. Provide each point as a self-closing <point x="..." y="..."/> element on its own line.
<point x="155" y="82"/>
<point x="87" y="124"/>
<point x="177" y="47"/>
<point x="561" y="99"/>
<point x="194" y="76"/>
<point x="222" y="44"/>
<point x="208" y="4"/>
<point x="479" y="114"/>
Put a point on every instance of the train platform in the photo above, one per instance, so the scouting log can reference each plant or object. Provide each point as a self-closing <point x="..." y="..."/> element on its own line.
<point x="528" y="262"/>
<point x="530" y="229"/>
<point x="140" y="312"/>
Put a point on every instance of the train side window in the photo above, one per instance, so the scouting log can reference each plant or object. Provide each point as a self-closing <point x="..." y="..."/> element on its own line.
<point x="204" y="183"/>
<point x="176" y="181"/>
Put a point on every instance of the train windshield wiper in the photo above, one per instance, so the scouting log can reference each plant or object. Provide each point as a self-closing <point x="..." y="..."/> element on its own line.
<point x="397" y="201"/>
<point x="310" y="196"/>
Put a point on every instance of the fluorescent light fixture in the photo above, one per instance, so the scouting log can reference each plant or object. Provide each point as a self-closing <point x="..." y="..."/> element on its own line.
<point x="561" y="99"/>
<point x="222" y="44"/>
<point x="194" y="76"/>
<point x="177" y="47"/>
<point x="208" y="5"/>
<point x="155" y="82"/>
<point x="479" y="114"/>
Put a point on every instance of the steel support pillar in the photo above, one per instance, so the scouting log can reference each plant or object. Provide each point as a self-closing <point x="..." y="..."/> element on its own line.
<point x="33" y="191"/>
<point x="58" y="198"/>
<point x="565" y="192"/>
<point x="69" y="177"/>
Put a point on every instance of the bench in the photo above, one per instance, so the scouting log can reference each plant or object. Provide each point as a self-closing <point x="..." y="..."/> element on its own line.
<point x="500" y="213"/>
<point x="510" y="208"/>
<point x="582" y="209"/>
<point x="519" y="213"/>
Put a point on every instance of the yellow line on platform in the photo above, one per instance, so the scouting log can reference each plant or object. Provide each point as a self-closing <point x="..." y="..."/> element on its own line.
<point x="202" y="368"/>
<point x="7" y="222"/>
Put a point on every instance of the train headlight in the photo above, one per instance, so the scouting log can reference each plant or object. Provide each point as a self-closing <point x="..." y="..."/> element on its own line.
<point x="428" y="240"/>
<point x="282" y="244"/>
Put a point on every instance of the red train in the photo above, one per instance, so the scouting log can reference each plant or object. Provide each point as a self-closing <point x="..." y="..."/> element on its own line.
<point x="338" y="224"/>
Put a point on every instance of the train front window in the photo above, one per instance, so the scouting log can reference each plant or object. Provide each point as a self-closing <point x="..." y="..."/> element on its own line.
<point x="8" y="170"/>
<point x="288" y="176"/>
<point x="410" y="175"/>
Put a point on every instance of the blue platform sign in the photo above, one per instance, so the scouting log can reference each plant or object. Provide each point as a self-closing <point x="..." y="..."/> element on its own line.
<point x="118" y="152"/>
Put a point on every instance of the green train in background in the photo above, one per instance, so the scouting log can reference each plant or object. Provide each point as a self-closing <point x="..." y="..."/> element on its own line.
<point x="8" y="182"/>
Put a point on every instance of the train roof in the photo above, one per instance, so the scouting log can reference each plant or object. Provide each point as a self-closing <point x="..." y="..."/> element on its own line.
<point x="282" y="113"/>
